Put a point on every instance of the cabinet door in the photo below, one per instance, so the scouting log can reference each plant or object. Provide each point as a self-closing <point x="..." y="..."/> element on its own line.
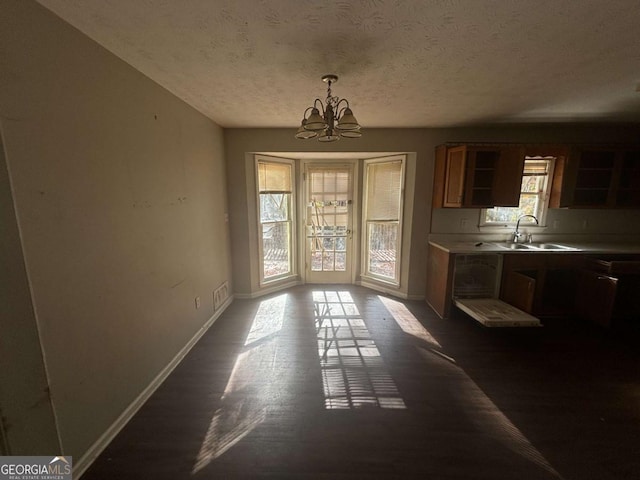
<point x="589" y="178"/>
<point x="520" y="290"/>
<point x="522" y="280"/>
<point x="596" y="297"/>
<point x="508" y="180"/>
<point x="480" y="178"/>
<point x="439" y="280"/>
<point x="628" y="185"/>
<point x="455" y="176"/>
<point x="494" y="176"/>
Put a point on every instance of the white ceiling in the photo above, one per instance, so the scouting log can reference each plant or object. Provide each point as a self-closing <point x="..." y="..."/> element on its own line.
<point x="401" y="63"/>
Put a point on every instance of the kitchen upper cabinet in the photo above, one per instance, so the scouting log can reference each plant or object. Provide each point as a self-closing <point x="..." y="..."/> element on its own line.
<point x="601" y="177"/>
<point x="456" y="160"/>
<point x="478" y="176"/>
<point x="627" y="193"/>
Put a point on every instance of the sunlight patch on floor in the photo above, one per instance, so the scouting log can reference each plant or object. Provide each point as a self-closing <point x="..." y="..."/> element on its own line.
<point x="353" y="372"/>
<point x="407" y="321"/>
<point x="250" y="385"/>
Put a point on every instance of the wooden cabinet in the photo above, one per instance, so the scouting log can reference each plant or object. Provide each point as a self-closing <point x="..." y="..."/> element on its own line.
<point x="541" y="284"/>
<point x="601" y="177"/>
<point x="455" y="164"/>
<point x="596" y="297"/>
<point x="608" y="290"/>
<point x="478" y="176"/>
<point x="521" y="275"/>
<point x="520" y="290"/>
<point x="627" y="193"/>
<point x="439" y="280"/>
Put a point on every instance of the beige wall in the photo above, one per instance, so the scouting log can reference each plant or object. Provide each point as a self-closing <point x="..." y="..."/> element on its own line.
<point x="120" y="194"/>
<point x="26" y="412"/>
<point x="420" y="141"/>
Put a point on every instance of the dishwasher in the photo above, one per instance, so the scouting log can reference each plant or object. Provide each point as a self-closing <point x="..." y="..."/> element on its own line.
<point x="476" y="286"/>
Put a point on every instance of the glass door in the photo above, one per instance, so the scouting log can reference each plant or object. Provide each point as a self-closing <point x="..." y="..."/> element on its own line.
<point x="328" y="223"/>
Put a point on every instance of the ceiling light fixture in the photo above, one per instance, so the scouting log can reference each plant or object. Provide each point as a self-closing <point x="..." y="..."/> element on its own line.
<point x="321" y="122"/>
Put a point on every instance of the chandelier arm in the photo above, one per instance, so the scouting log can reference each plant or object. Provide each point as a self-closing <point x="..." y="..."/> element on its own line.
<point x="342" y="109"/>
<point x="315" y="103"/>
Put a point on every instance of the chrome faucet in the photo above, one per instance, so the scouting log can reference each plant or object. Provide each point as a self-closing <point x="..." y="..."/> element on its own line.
<point x="515" y="236"/>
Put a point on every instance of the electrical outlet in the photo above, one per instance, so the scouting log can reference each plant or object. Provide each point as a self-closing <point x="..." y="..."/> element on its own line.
<point x="197" y="302"/>
<point x="556" y="224"/>
<point x="585" y="224"/>
<point x="463" y="223"/>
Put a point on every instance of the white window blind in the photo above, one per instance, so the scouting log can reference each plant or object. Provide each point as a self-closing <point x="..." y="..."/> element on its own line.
<point x="536" y="167"/>
<point x="274" y="178"/>
<point x="383" y="190"/>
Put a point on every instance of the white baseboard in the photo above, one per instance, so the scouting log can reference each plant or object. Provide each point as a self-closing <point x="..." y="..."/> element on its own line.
<point x="267" y="290"/>
<point x="383" y="289"/>
<point x="80" y="467"/>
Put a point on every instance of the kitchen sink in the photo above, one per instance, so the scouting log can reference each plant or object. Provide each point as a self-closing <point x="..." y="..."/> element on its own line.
<point x="553" y="247"/>
<point x="516" y="246"/>
<point x="549" y="246"/>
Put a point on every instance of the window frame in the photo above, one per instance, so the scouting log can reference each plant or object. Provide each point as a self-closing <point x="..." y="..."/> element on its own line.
<point x="261" y="159"/>
<point x="543" y="206"/>
<point x="365" y="273"/>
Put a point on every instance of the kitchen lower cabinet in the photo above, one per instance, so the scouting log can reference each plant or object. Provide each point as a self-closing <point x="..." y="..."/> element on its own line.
<point x="608" y="290"/>
<point x="520" y="289"/>
<point x="541" y="284"/>
<point x="596" y="297"/>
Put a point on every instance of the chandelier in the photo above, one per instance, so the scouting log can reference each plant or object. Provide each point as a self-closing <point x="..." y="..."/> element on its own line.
<point x="329" y="121"/>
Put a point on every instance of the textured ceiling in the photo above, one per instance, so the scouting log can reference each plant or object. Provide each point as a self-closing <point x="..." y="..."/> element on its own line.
<point x="401" y="63"/>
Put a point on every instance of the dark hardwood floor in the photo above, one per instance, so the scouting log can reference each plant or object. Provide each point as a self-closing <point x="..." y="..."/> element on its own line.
<point x="337" y="382"/>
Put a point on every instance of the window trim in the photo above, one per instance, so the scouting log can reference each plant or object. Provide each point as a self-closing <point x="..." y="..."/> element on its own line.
<point x="542" y="217"/>
<point x="365" y="273"/>
<point x="293" y="264"/>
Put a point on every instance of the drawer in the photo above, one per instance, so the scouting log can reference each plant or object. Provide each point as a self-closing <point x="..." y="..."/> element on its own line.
<point x="617" y="266"/>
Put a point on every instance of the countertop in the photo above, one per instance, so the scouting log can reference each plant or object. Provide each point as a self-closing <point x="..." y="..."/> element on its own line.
<point x="570" y="248"/>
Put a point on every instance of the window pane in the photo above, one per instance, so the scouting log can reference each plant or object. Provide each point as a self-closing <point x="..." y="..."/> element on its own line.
<point x="532" y="183"/>
<point x="529" y="203"/>
<point x="274" y="207"/>
<point x="275" y="248"/>
<point x="382" y="238"/>
<point x="316" y="261"/>
<point x="327" y="261"/>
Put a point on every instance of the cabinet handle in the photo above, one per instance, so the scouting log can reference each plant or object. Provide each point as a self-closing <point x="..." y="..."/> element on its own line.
<point x="601" y="277"/>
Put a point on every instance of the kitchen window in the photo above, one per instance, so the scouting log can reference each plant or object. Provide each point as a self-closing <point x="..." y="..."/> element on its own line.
<point x="534" y="195"/>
